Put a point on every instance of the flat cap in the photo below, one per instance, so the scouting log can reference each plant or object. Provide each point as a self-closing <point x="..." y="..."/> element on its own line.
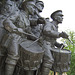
<point x="56" y="13"/>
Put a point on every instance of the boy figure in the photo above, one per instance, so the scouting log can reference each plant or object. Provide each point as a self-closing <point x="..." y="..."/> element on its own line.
<point x="16" y="24"/>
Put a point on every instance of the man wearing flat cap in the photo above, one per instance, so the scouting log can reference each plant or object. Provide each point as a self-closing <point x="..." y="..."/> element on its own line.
<point x="57" y="17"/>
<point x="50" y="34"/>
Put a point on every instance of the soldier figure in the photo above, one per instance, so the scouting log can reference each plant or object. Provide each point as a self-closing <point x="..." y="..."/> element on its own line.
<point x="16" y="24"/>
<point x="50" y="33"/>
<point x="21" y="21"/>
<point x="7" y="8"/>
<point x="36" y="20"/>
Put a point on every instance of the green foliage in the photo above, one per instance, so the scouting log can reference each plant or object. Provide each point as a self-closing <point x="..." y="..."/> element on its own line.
<point x="51" y="72"/>
<point x="72" y="48"/>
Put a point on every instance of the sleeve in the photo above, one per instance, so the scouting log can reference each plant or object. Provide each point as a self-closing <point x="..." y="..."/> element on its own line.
<point x="48" y="31"/>
<point x="58" y="44"/>
<point x="9" y="23"/>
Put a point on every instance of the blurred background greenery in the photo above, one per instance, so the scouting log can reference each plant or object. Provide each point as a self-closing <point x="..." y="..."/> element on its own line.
<point x="70" y="47"/>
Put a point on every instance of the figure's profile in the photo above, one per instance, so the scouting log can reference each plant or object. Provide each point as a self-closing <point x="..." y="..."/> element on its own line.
<point x="28" y="43"/>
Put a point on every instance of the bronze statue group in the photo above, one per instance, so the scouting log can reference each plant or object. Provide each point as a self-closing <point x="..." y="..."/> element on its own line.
<point x="20" y="20"/>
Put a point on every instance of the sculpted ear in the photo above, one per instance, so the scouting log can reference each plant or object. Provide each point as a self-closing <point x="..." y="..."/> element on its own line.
<point x="55" y="17"/>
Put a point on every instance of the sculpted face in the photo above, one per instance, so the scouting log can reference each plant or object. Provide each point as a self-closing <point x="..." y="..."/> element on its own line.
<point x="40" y="6"/>
<point x="31" y="9"/>
<point x="29" y="6"/>
<point x="59" y="17"/>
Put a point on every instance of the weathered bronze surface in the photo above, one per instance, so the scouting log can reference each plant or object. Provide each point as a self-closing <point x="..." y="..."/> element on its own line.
<point x="28" y="43"/>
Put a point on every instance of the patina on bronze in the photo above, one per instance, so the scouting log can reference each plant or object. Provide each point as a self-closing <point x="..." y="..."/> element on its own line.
<point x="28" y="41"/>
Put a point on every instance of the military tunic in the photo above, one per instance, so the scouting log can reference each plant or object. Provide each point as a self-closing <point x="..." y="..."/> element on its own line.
<point x="50" y="33"/>
<point x="17" y="20"/>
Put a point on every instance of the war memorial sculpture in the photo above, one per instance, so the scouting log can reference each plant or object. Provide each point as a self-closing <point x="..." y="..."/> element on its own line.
<point x="28" y="43"/>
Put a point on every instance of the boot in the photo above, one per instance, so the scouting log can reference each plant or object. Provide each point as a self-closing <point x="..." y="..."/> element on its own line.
<point x="45" y="71"/>
<point x="9" y="69"/>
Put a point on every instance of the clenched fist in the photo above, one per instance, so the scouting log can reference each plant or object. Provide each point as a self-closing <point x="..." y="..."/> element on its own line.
<point x="41" y="21"/>
<point x="63" y="35"/>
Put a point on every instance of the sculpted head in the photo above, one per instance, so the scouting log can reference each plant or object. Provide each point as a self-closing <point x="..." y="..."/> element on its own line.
<point x="29" y="6"/>
<point x="57" y="16"/>
<point x="40" y="5"/>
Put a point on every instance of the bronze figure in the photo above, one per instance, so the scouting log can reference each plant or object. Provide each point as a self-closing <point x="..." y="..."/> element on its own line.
<point x="28" y="43"/>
